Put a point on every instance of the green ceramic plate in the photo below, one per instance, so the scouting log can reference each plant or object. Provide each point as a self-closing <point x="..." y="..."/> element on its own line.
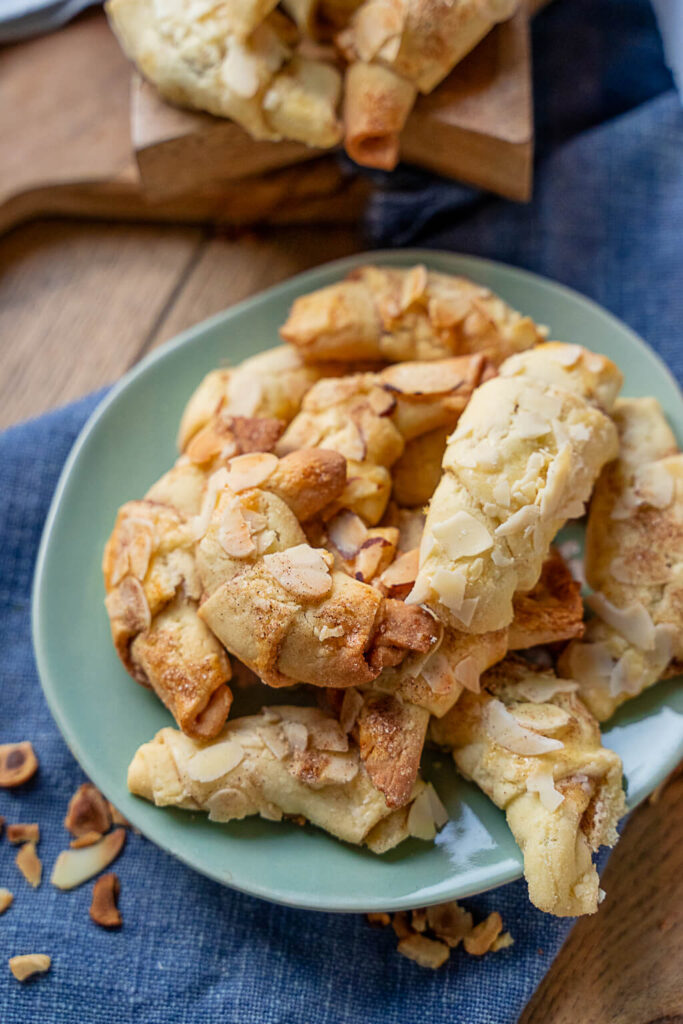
<point x="104" y="715"/>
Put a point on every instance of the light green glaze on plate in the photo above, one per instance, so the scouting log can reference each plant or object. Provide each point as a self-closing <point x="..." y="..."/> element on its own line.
<point x="104" y="716"/>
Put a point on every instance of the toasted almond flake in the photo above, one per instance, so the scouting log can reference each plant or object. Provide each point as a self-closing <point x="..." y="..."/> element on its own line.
<point x="6" y="900"/>
<point x="541" y="781"/>
<point x="439" y="812"/>
<point x="26" y="965"/>
<point x="216" y="483"/>
<point x="204" y="446"/>
<point x="481" y="938"/>
<point x="468" y="673"/>
<point x="633" y="623"/>
<point x="450" y="588"/>
<point x="545" y="718"/>
<point x="529" y="425"/>
<point x="402" y="572"/>
<point x="462" y="536"/>
<point x="23" y="833"/>
<point x="245" y="392"/>
<point x="425" y="952"/>
<point x="381" y="402"/>
<point x="501" y="492"/>
<point x="449" y="922"/>
<point x="116" y="817"/>
<point x="540" y="691"/>
<point x="352" y="703"/>
<point x="251" y="470"/>
<point x="503" y="941"/>
<point x="349" y="442"/>
<point x="528" y="515"/>
<point x="103" y="906"/>
<point x="274" y="739"/>
<point x="88" y="839"/>
<point x="505" y="730"/>
<point x="296" y="734"/>
<point x="234" y="535"/>
<point x="30" y="864"/>
<point x="215" y="761"/>
<point x="421" y="592"/>
<point x="465" y="613"/>
<point x="414" y="283"/>
<point x="438" y="673"/>
<point x="339" y="770"/>
<point x="255" y="520"/>
<point x="73" y="867"/>
<point x="415" y="379"/>
<point x="418" y="919"/>
<point x="420" y="817"/>
<point x="348" y="533"/>
<point x="18" y="764"/>
<point x="302" y="570"/>
<point x="88" y="811"/>
<point x="378" y="920"/>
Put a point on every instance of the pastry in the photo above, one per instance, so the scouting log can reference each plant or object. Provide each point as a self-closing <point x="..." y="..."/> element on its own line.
<point x="285" y="762"/>
<point x="533" y="747"/>
<point x="399" y="314"/>
<point x="634" y="563"/>
<point x="232" y="61"/>
<point x="521" y="462"/>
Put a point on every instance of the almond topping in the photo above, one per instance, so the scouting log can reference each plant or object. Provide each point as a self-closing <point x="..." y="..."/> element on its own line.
<point x="215" y="761"/>
<point x="103" y="908"/>
<point x="351" y="704"/>
<point x="297" y="734"/>
<point x="380" y="920"/>
<point x="233" y="534"/>
<point x="545" y="718"/>
<point x="481" y="938"/>
<point x="504" y="729"/>
<point x="252" y="470"/>
<point x="302" y="570"/>
<point x="6" y="900"/>
<point x="416" y="379"/>
<point x="87" y="839"/>
<point x="73" y="867"/>
<point x="450" y="922"/>
<point x="30" y="864"/>
<point x="88" y="811"/>
<point x="348" y="533"/>
<point x="400" y="576"/>
<point x="541" y="781"/>
<point x="633" y="623"/>
<point x="23" y="833"/>
<point x="425" y="952"/>
<point x="18" y="764"/>
<point x="25" y="966"/>
<point x="450" y="588"/>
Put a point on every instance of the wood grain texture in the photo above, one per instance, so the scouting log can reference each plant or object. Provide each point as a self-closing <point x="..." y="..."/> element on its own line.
<point x="625" y="964"/>
<point x="77" y="304"/>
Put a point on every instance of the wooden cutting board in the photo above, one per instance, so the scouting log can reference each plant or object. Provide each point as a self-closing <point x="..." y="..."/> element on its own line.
<point x="105" y="150"/>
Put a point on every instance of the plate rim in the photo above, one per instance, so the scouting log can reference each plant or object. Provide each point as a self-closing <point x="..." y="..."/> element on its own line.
<point x="307" y="278"/>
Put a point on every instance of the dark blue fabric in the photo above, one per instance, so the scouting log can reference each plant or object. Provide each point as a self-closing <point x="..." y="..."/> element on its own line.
<point x="607" y="218"/>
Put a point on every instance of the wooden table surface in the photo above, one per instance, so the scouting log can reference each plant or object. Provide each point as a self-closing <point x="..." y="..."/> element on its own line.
<point x="82" y="302"/>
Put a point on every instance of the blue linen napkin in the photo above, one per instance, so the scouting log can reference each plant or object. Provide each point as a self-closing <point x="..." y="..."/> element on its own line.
<point x="607" y="218"/>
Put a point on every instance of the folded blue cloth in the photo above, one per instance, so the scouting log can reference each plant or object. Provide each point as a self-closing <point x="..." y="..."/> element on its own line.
<point x="607" y="217"/>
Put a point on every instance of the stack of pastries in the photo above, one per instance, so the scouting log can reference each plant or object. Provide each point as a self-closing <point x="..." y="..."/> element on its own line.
<point x="365" y="516"/>
<point x="316" y="71"/>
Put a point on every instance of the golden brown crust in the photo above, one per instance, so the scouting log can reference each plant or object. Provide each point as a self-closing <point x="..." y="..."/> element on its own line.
<point x="551" y="611"/>
<point x="391" y="736"/>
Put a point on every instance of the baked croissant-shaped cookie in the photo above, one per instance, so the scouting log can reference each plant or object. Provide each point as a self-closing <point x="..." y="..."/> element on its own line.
<point x="271" y="384"/>
<point x="153" y="591"/>
<point x="634" y="563"/>
<point x="233" y="61"/>
<point x="369" y="417"/>
<point x="399" y="314"/>
<point x="395" y="48"/>
<point x="276" y="602"/>
<point x="284" y="762"/>
<point x="533" y="747"/>
<point x="320" y="18"/>
<point x="521" y="462"/>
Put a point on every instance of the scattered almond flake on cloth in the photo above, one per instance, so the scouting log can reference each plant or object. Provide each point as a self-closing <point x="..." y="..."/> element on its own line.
<point x="430" y="934"/>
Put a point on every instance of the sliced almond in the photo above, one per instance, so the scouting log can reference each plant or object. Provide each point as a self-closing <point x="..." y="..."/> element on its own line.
<point x="30" y="864"/>
<point x="348" y="533"/>
<point x="23" y="833"/>
<point x="372" y="558"/>
<point x="116" y="817"/>
<point x="234" y="534"/>
<point x="504" y="941"/>
<point x="450" y="588"/>
<point x="399" y="923"/>
<point x="418" y="919"/>
<point x="351" y="705"/>
<point x="378" y="920"/>
<point x="633" y="623"/>
<point x="541" y="781"/>
<point x="545" y="718"/>
<point x="87" y="839"/>
<point x="252" y="470"/>
<point x="6" y="900"/>
<point x="302" y="570"/>
<point x="74" y="867"/>
<point x="18" y="763"/>
<point x="215" y="761"/>
<point x="399" y="577"/>
<point x="420" y="818"/>
<point x="25" y="966"/>
<point x="504" y="729"/>
<point x="421" y="379"/>
<point x="277" y="744"/>
<point x="481" y="938"/>
<point x="296" y="734"/>
<point x="450" y="922"/>
<point x="425" y="952"/>
<point x="438" y="674"/>
<point x="103" y="907"/>
<point x="88" y="811"/>
<point x="339" y="769"/>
